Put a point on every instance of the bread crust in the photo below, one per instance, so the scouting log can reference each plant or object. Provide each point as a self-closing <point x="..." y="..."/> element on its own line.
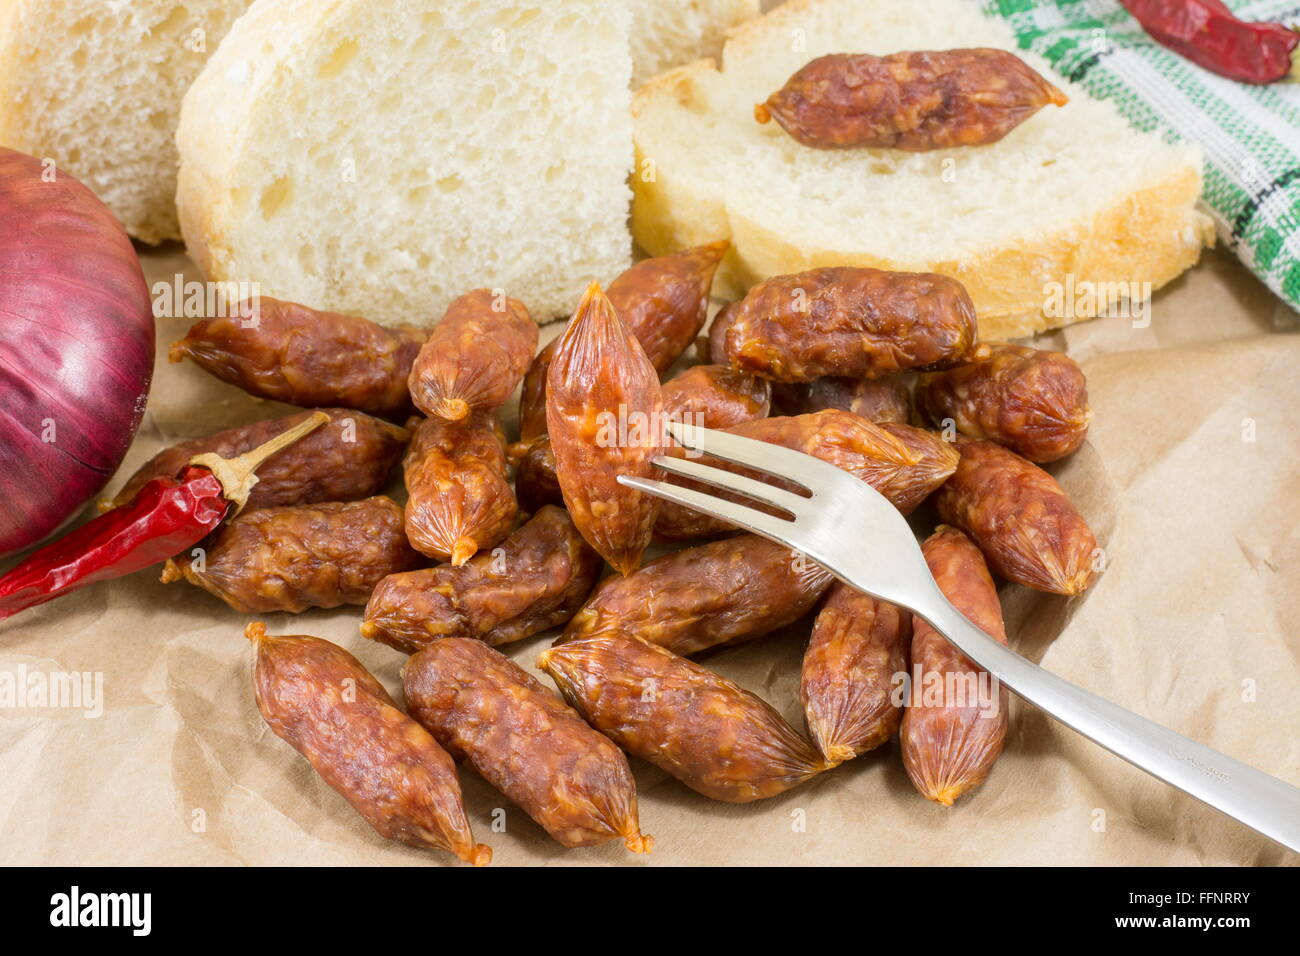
<point x="1151" y="235"/>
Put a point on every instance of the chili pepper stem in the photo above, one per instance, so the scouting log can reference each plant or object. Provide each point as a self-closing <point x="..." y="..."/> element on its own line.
<point x="237" y="474"/>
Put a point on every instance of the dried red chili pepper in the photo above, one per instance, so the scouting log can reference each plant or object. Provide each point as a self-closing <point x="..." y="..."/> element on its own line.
<point x="167" y="516"/>
<point x="1212" y="36"/>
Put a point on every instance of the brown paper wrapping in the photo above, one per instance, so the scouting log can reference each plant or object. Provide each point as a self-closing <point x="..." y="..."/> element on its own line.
<point x="1191" y="479"/>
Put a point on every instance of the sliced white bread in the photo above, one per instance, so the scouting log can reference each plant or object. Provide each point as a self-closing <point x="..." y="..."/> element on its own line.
<point x="668" y="33"/>
<point x="96" y="87"/>
<point x="381" y="157"/>
<point x="1073" y="196"/>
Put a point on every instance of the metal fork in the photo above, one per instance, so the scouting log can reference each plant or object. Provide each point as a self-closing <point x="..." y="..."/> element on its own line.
<point x="853" y="531"/>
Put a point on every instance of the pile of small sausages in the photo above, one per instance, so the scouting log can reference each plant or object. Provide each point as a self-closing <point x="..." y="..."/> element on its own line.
<point x="879" y="373"/>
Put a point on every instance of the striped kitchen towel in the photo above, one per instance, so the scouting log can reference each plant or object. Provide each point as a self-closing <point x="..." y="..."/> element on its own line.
<point x="1250" y="134"/>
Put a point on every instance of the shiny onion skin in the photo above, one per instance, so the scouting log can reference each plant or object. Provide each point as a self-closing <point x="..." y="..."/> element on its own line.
<point x="604" y="415"/>
<point x="76" y="347"/>
<point x="475" y="356"/>
<point x="851" y="322"/>
<point x="858" y="645"/>
<point x="915" y="100"/>
<point x="522" y="739"/>
<point x="664" y="303"/>
<point x="346" y="460"/>
<point x="1022" y="520"/>
<point x="1033" y="401"/>
<point x="949" y="745"/>
<point x="320" y="699"/>
<point x="302" y="356"/>
<point x="711" y="734"/>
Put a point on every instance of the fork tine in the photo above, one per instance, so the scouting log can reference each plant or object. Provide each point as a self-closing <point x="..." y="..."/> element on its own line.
<point x="762" y="456"/>
<point x="758" y="490"/>
<point x="741" y="515"/>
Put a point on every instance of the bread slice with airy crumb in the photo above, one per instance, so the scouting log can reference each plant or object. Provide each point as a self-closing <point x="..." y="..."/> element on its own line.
<point x="381" y="157"/>
<point x="1071" y="210"/>
<point x="96" y="88"/>
<point x="668" y="33"/>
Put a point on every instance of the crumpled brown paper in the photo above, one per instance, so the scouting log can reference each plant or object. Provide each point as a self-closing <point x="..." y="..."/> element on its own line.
<point x="1191" y="479"/>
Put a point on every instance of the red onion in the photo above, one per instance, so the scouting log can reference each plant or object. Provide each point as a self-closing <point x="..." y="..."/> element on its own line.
<point x="76" y="347"/>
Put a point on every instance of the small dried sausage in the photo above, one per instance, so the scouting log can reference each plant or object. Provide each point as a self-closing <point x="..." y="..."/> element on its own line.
<point x="290" y="353"/>
<point x="535" y="482"/>
<point x="952" y="731"/>
<point x="1032" y="401"/>
<point x="1027" y="527"/>
<point x="714" y="736"/>
<point x="715" y="396"/>
<point x="460" y="499"/>
<point x="916" y="100"/>
<point x="664" y="303"/>
<point x="903" y="463"/>
<point x="290" y="559"/>
<point x="536" y="580"/>
<point x="858" y="646"/>
<point x="319" y="698"/>
<point x="604" y="414"/>
<point x="723" y="592"/>
<point x="933" y="461"/>
<point x="875" y="399"/>
<point x="348" y="459"/>
<point x="712" y="349"/>
<point x="711" y="396"/>
<point x="475" y="356"/>
<point x="525" y="741"/>
<point x="848" y="321"/>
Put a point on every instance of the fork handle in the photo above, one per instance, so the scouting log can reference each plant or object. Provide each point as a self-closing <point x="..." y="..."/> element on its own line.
<point x="1263" y="803"/>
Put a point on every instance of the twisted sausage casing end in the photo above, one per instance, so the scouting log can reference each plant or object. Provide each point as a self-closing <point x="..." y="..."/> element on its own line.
<point x="600" y="376"/>
<point x="949" y="746"/>
<point x="320" y="700"/>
